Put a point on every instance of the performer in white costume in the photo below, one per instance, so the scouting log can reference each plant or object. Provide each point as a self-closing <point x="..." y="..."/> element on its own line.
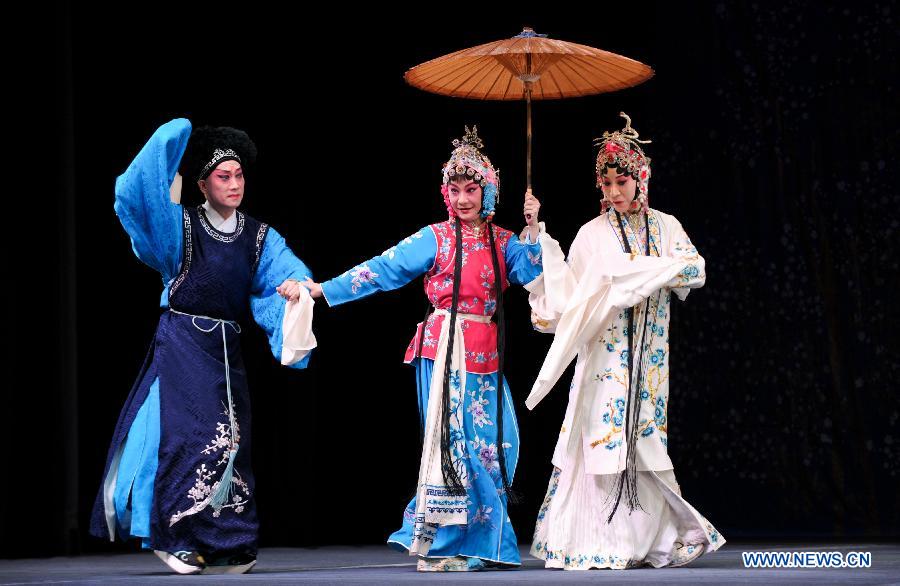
<point x="613" y="501"/>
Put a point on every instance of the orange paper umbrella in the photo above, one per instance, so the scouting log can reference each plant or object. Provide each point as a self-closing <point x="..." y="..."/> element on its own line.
<point x="528" y="67"/>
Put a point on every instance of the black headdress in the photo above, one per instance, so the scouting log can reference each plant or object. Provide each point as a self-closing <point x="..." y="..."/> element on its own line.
<point x="210" y="146"/>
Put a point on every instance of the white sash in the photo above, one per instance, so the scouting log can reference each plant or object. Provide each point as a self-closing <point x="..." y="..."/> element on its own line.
<point x="434" y="505"/>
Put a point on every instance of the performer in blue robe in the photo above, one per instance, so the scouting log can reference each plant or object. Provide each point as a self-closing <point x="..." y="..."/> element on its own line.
<point x="467" y="262"/>
<point x="178" y="473"/>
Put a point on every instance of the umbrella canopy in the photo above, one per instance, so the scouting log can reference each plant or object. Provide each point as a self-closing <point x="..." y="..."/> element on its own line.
<point x="508" y="69"/>
<point x="528" y="67"/>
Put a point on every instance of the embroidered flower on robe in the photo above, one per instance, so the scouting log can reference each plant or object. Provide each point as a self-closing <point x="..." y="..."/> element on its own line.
<point x="483" y="516"/>
<point x="361" y="274"/>
<point x="480" y="417"/>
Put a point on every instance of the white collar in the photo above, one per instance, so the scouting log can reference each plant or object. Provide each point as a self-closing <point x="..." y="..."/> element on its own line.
<point x="218" y="222"/>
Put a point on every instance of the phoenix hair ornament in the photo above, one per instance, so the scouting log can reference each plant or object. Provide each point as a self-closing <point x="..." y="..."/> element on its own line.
<point x="622" y="149"/>
<point x="467" y="161"/>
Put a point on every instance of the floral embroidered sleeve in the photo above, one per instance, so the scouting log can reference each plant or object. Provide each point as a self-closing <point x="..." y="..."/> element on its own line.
<point x="523" y="260"/>
<point x="143" y="204"/>
<point x="394" y="268"/>
<point x="693" y="276"/>
<point x="276" y="263"/>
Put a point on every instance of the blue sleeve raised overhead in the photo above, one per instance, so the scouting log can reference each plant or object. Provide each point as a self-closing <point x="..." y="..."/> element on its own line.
<point x="276" y="264"/>
<point x="143" y="203"/>
<point x="395" y="267"/>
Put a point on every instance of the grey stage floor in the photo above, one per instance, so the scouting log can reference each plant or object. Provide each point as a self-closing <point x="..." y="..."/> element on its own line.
<point x="379" y="565"/>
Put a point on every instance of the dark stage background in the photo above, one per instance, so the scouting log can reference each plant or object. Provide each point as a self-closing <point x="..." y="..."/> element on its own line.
<point x="774" y="129"/>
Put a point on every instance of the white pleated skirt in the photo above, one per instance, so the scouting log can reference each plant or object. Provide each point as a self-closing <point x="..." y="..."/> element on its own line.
<point x="572" y="530"/>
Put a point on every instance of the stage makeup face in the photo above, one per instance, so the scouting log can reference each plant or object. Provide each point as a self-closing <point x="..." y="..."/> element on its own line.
<point x="465" y="199"/>
<point x="619" y="190"/>
<point x="224" y="188"/>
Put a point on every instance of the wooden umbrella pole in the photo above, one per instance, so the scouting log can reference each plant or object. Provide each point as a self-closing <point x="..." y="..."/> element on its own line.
<point x="528" y="132"/>
<point x="528" y="84"/>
